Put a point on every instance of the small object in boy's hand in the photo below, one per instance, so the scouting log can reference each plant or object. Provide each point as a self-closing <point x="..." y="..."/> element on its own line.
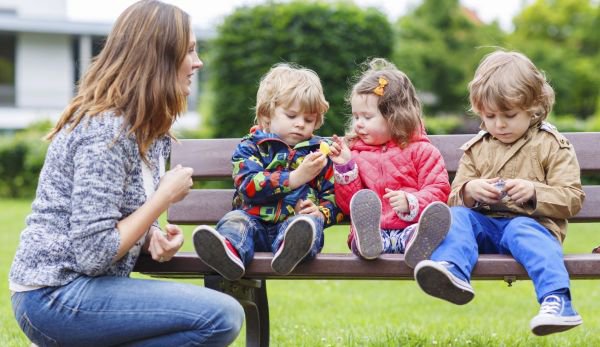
<point x="324" y="148"/>
<point x="500" y="186"/>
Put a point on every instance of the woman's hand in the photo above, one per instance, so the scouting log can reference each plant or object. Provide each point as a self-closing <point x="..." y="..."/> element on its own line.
<point x="163" y="247"/>
<point x="176" y="183"/>
<point x="340" y="152"/>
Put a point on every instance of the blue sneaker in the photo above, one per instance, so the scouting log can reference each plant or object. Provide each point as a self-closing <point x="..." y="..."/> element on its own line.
<point x="556" y="315"/>
<point x="443" y="280"/>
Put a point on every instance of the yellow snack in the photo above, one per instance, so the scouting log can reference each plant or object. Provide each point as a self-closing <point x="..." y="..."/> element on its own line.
<point x="324" y="148"/>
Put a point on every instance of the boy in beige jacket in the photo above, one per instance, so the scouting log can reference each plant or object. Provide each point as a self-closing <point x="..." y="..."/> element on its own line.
<point x="516" y="185"/>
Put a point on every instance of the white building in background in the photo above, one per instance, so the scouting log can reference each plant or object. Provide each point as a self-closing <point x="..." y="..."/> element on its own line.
<point x="42" y="56"/>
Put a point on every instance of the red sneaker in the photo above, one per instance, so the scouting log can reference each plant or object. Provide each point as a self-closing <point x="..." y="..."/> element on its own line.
<point x="218" y="253"/>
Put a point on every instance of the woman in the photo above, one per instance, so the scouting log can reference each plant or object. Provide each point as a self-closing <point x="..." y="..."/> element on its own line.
<point x="100" y="193"/>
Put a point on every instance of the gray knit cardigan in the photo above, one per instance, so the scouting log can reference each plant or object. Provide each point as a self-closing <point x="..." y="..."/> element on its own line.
<point x="91" y="179"/>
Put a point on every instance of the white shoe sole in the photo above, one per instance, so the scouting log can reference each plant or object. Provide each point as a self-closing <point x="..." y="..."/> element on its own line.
<point x="433" y="226"/>
<point x="542" y="325"/>
<point x="365" y="216"/>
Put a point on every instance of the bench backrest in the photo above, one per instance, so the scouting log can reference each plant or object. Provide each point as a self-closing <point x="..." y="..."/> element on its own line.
<point x="210" y="159"/>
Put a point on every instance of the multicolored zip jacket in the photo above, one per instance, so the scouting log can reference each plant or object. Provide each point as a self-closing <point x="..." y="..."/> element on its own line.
<point x="262" y="164"/>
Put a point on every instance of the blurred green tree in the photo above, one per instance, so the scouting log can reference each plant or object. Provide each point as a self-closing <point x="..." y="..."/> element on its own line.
<point x="21" y="159"/>
<point x="438" y="46"/>
<point x="331" y="39"/>
<point x="561" y="37"/>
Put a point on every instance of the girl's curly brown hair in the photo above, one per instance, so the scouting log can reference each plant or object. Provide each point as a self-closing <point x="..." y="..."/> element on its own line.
<point x="399" y="104"/>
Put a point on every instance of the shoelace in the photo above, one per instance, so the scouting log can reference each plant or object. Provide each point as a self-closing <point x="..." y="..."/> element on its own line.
<point x="551" y="305"/>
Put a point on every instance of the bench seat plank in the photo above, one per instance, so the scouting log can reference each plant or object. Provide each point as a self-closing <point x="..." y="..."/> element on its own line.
<point x="348" y="266"/>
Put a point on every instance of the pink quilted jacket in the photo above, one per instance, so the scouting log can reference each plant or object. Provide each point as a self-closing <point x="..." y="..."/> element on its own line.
<point x="418" y="169"/>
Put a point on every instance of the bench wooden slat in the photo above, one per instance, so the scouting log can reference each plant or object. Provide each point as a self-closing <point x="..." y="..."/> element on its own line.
<point x="210" y="158"/>
<point x="348" y="266"/>
<point x="207" y="206"/>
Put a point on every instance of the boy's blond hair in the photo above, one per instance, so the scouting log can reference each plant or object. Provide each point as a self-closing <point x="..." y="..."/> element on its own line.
<point x="508" y="80"/>
<point x="398" y="102"/>
<point x="282" y="86"/>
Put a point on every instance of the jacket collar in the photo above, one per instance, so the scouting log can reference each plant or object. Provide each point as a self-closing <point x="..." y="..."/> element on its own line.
<point x="257" y="135"/>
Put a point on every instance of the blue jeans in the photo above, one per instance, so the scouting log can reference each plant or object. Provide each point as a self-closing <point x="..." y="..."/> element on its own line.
<point x="530" y="243"/>
<point x="249" y="234"/>
<point x="107" y="311"/>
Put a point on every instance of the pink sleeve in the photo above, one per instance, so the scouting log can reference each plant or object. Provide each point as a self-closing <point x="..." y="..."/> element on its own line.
<point x="347" y="182"/>
<point x="432" y="177"/>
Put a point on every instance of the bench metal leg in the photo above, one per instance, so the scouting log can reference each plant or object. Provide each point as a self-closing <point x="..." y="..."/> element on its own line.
<point x="252" y="294"/>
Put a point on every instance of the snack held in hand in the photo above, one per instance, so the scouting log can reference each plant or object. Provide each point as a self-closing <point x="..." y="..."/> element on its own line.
<point x="324" y="148"/>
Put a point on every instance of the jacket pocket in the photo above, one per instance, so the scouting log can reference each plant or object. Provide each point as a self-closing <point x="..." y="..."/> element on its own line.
<point x="532" y="169"/>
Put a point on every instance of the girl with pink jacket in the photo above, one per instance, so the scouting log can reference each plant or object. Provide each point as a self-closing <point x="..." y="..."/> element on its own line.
<point x="389" y="178"/>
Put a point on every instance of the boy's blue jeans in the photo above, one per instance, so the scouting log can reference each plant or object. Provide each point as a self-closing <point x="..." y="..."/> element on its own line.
<point x="108" y="311"/>
<point x="530" y="243"/>
<point x="249" y="234"/>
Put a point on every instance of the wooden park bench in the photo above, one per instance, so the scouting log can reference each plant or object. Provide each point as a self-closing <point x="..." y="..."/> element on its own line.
<point x="210" y="160"/>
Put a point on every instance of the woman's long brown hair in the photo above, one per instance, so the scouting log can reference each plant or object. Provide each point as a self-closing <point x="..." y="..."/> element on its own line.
<point x="135" y="75"/>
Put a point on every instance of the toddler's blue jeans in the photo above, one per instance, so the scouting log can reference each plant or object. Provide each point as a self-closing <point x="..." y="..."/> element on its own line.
<point x="249" y="234"/>
<point x="530" y="243"/>
<point x="108" y="311"/>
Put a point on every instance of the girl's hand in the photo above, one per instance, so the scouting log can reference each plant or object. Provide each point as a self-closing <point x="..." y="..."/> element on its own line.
<point x="520" y="191"/>
<point x="308" y="207"/>
<point x="176" y="183"/>
<point x="483" y="191"/>
<point x="310" y="167"/>
<point x="397" y="199"/>
<point x="340" y="152"/>
<point x="163" y="247"/>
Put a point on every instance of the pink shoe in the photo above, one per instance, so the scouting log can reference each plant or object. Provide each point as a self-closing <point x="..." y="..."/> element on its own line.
<point x="433" y="226"/>
<point x="365" y="215"/>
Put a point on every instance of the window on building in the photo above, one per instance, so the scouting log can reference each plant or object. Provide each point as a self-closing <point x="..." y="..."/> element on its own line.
<point x="97" y="45"/>
<point x="7" y="69"/>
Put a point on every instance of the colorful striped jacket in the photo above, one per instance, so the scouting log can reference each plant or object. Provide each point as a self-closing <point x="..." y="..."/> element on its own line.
<point x="262" y="164"/>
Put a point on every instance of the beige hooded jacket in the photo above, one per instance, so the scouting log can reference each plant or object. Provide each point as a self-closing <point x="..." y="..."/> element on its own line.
<point x="542" y="155"/>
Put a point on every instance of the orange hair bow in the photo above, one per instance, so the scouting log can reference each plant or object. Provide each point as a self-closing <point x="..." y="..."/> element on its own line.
<point x="379" y="89"/>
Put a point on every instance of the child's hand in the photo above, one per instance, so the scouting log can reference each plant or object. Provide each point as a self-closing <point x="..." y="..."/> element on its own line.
<point x="520" y="191"/>
<point x="483" y="191"/>
<point x="310" y="167"/>
<point x="397" y="200"/>
<point x="176" y="183"/>
<point x="340" y="153"/>
<point x="308" y="207"/>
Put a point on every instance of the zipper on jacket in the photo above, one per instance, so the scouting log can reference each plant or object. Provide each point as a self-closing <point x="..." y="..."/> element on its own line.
<point x="292" y="153"/>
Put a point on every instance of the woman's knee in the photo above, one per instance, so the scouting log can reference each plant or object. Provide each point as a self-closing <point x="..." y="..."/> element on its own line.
<point x="227" y="321"/>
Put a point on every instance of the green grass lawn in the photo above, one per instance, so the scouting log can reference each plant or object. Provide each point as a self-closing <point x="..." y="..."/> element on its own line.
<point x="377" y="313"/>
